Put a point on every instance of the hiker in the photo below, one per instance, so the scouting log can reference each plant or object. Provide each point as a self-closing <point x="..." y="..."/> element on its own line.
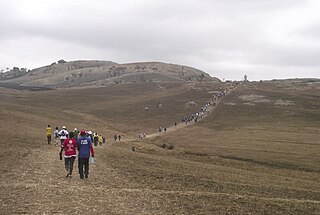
<point x="84" y="148"/>
<point x="115" y="137"/>
<point x="119" y="137"/>
<point x="76" y="133"/>
<point x="89" y="134"/>
<point x="56" y="135"/>
<point x="103" y="139"/>
<point x="95" y="139"/>
<point x="100" y="140"/>
<point x="165" y="129"/>
<point x="49" y="132"/>
<point x="63" y="135"/>
<point x="141" y="135"/>
<point x="175" y="124"/>
<point x="69" y="147"/>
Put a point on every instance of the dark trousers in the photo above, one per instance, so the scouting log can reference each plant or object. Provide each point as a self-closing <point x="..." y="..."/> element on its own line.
<point x="49" y="139"/>
<point x="95" y="141"/>
<point x="68" y="162"/>
<point x="83" y="163"/>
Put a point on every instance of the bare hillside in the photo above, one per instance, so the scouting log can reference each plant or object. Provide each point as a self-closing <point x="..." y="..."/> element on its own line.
<point x="257" y="152"/>
<point x="94" y="73"/>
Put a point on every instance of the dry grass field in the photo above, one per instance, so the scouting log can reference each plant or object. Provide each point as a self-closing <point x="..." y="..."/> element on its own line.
<point x="256" y="153"/>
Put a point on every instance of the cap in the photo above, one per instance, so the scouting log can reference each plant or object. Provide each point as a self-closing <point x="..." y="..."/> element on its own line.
<point x="75" y="129"/>
<point x="83" y="132"/>
<point x="63" y="127"/>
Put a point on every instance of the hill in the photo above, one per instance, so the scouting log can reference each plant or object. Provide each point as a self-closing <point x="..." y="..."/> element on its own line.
<point x="96" y="73"/>
<point x="256" y="153"/>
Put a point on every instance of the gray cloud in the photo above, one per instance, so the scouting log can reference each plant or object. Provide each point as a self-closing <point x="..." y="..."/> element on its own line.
<point x="265" y="39"/>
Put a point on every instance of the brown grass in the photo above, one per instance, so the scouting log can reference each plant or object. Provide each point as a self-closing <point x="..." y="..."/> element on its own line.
<point x="241" y="159"/>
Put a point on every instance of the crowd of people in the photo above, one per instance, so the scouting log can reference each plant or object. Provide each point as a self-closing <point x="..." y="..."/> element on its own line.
<point x="141" y="135"/>
<point x="83" y="142"/>
<point x="199" y="114"/>
<point x="72" y="142"/>
<point x="204" y="110"/>
<point x="61" y="135"/>
<point x="196" y="116"/>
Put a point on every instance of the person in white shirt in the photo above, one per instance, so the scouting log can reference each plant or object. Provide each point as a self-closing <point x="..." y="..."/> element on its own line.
<point x="56" y="135"/>
<point x="63" y="134"/>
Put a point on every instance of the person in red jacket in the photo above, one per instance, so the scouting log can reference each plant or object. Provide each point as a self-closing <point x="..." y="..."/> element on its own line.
<point x="70" y="152"/>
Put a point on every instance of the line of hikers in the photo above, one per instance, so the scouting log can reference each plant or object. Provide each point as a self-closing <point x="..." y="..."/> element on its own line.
<point x="198" y="115"/>
<point x="205" y="109"/>
<point x="96" y="139"/>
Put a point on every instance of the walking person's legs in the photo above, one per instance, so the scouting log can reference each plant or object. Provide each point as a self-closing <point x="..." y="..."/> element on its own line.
<point x="67" y="165"/>
<point x="86" y="167"/>
<point x="80" y="166"/>
<point x="71" y="165"/>
<point x="49" y="139"/>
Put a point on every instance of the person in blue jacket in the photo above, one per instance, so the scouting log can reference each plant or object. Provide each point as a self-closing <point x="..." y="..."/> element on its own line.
<point x="84" y="148"/>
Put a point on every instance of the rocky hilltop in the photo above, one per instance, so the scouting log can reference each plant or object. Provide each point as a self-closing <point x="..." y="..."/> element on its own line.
<point x="64" y="74"/>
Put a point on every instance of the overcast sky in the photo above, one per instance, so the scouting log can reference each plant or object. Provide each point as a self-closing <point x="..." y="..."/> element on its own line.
<point x="264" y="39"/>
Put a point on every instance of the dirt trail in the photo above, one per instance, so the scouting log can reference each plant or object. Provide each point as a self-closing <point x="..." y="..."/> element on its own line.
<point x="40" y="186"/>
<point x="125" y="183"/>
<point x="42" y="180"/>
<point x="181" y="125"/>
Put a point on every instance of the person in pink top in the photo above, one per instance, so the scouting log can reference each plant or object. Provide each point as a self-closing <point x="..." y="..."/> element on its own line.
<point x="70" y="152"/>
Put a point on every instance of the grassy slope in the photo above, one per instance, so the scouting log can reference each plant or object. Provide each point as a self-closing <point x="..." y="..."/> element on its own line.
<point x="242" y="159"/>
<point x="263" y="151"/>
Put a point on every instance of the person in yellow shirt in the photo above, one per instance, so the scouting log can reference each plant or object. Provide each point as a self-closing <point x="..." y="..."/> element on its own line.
<point x="49" y="132"/>
<point x="100" y="140"/>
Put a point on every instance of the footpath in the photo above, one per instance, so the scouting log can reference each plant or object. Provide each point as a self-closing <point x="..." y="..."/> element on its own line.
<point x="182" y="125"/>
